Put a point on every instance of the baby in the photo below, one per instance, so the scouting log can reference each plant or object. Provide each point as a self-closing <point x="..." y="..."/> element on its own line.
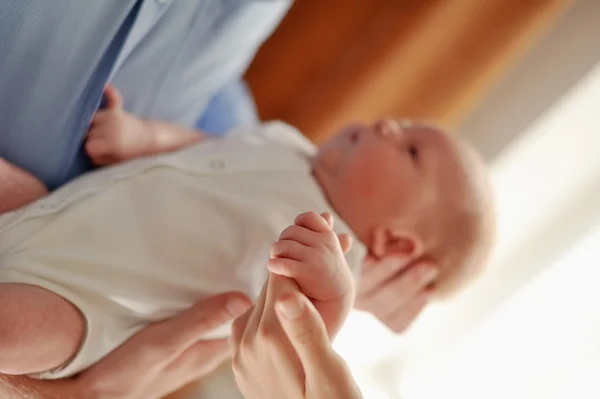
<point x="186" y="217"/>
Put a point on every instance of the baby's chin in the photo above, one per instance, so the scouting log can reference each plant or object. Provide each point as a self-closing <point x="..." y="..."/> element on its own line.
<point x="335" y="150"/>
<point x="326" y="160"/>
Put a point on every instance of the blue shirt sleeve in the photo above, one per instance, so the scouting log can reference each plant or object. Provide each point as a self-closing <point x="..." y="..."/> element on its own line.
<point x="230" y="108"/>
<point x="172" y="58"/>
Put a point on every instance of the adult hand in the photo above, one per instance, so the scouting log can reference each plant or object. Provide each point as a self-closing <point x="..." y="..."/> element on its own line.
<point x="157" y="361"/>
<point x="282" y="349"/>
<point x="395" y="290"/>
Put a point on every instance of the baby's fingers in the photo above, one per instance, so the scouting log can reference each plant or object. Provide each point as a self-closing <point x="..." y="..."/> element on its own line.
<point x="289" y="249"/>
<point x="285" y="267"/>
<point x="345" y="242"/>
<point x="113" y="99"/>
<point x="328" y="218"/>
<point x="301" y="234"/>
<point x="100" y="117"/>
<point x="312" y="221"/>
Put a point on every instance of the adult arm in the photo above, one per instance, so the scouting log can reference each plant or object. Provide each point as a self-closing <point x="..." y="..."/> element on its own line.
<point x="157" y="361"/>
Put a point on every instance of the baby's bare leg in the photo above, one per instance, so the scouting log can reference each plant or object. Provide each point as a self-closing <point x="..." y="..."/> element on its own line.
<point x="39" y="330"/>
<point x="18" y="187"/>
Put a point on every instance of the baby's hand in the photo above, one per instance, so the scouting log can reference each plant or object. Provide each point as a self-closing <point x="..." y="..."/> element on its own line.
<point x="312" y="254"/>
<point x="115" y="135"/>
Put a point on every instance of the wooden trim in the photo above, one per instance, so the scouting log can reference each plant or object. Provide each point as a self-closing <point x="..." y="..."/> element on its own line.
<point x="336" y="61"/>
<point x="333" y="61"/>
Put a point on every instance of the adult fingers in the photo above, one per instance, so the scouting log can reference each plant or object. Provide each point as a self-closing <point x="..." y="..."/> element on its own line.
<point x="255" y="317"/>
<point x="238" y="328"/>
<point x="304" y="328"/>
<point x="282" y="353"/>
<point x="400" y="320"/>
<point x="397" y="291"/>
<point x="201" y="358"/>
<point x="168" y="339"/>
<point x="114" y="100"/>
<point x="196" y="362"/>
<point x="375" y="274"/>
<point x="278" y="285"/>
<point x="156" y="347"/>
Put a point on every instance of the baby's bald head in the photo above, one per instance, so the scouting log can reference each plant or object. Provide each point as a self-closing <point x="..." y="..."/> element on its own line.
<point x="457" y="225"/>
<point x="412" y="191"/>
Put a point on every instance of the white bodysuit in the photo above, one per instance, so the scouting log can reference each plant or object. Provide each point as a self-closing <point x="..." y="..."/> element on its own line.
<point x="144" y="240"/>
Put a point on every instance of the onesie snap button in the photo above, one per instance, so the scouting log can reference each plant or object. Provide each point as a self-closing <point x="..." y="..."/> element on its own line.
<point x="217" y="164"/>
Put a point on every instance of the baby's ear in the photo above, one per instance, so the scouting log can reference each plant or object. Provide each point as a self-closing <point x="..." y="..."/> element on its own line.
<point x="396" y="243"/>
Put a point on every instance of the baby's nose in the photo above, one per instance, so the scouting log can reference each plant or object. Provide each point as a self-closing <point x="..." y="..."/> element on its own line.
<point x="388" y="127"/>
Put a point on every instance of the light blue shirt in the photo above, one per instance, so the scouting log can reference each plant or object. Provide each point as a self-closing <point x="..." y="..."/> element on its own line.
<point x="57" y="55"/>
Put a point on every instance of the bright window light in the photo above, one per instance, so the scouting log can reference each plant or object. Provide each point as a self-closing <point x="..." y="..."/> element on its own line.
<point x="544" y="342"/>
<point x="529" y="345"/>
<point x="535" y="344"/>
<point x="552" y="163"/>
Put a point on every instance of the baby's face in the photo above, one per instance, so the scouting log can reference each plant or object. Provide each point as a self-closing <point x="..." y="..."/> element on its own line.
<point x="373" y="174"/>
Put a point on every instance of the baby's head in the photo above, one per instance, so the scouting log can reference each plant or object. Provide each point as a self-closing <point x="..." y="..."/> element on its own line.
<point x="413" y="191"/>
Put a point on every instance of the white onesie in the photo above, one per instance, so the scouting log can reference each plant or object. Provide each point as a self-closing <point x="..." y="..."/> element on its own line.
<point x="144" y="240"/>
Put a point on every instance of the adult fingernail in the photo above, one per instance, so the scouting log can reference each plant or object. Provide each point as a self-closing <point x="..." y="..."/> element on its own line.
<point x="237" y="306"/>
<point x="290" y="308"/>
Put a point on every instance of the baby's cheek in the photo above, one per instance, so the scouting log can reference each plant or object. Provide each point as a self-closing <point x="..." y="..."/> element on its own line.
<point x="361" y="187"/>
<point x="368" y="179"/>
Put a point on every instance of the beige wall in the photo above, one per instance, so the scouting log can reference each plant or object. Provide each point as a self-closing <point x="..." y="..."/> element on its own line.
<point x="554" y="66"/>
<point x="338" y="61"/>
<point x="557" y="62"/>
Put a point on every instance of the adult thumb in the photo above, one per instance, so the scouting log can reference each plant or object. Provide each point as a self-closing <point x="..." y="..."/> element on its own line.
<point x="304" y="328"/>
